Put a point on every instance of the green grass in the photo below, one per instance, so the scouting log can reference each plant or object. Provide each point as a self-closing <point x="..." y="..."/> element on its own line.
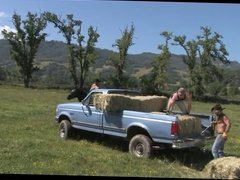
<point x="30" y="143"/>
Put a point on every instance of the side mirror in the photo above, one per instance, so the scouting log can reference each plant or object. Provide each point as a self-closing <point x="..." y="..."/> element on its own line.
<point x="84" y="102"/>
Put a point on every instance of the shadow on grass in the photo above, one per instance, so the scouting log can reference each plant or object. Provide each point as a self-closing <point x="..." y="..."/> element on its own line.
<point x="194" y="158"/>
<point x="106" y="140"/>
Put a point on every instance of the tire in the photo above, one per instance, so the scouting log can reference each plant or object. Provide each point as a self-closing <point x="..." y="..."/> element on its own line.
<point x="140" y="146"/>
<point x="65" y="129"/>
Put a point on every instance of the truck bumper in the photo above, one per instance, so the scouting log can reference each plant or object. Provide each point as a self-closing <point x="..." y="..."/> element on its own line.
<point x="188" y="143"/>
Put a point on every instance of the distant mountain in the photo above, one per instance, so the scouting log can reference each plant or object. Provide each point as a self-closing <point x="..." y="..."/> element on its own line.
<point x="137" y="65"/>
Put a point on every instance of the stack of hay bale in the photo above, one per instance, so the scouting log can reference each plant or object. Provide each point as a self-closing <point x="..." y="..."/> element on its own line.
<point x="223" y="168"/>
<point x="119" y="102"/>
<point x="189" y="126"/>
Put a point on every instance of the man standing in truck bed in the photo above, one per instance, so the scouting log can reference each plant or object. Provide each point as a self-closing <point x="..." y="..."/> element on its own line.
<point x="182" y="98"/>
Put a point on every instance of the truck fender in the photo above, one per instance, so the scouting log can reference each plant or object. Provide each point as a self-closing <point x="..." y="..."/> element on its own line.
<point x="137" y="128"/>
<point x="64" y="116"/>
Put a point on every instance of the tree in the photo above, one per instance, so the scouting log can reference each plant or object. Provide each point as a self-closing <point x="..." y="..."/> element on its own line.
<point x="190" y="59"/>
<point x="25" y="42"/>
<point x="155" y="82"/>
<point x="80" y="57"/>
<point x="119" y="60"/>
<point x="85" y="56"/>
<point x="161" y="62"/>
<point x="233" y="90"/>
<point x="215" y="88"/>
<point x="209" y="49"/>
<point x="3" y="74"/>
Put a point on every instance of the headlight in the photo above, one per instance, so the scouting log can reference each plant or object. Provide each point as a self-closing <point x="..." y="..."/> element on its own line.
<point x="57" y="110"/>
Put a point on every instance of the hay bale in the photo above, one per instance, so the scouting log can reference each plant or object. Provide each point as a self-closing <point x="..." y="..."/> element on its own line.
<point x="147" y="103"/>
<point x="110" y="102"/>
<point x="189" y="126"/>
<point x="223" y="168"/>
<point x="119" y="102"/>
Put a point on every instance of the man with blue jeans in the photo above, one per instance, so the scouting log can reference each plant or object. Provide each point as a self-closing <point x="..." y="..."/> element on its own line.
<point x="222" y="126"/>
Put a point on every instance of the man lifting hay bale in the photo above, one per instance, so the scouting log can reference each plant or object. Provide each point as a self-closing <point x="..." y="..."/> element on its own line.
<point x="182" y="98"/>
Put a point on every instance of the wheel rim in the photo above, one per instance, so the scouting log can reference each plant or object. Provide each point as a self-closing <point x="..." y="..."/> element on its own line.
<point x="62" y="131"/>
<point x="139" y="149"/>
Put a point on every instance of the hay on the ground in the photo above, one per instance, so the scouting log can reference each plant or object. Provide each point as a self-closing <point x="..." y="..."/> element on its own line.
<point x="223" y="168"/>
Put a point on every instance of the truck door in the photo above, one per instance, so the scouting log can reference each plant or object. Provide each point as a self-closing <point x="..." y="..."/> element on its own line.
<point x="89" y="117"/>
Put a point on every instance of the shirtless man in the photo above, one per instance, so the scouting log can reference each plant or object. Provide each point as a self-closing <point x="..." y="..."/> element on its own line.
<point x="222" y="126"/>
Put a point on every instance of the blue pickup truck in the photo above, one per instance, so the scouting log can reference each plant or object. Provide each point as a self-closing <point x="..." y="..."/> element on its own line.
<point x="143" y="130"/>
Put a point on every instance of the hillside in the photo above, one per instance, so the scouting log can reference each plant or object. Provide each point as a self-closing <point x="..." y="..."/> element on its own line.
<point x="56" y="51"/>
<point x="52" y="55"/>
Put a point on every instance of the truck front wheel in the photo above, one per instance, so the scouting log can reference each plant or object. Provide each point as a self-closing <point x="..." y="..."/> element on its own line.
<point x="140" y="146"/>
<point x="65" y="129"/>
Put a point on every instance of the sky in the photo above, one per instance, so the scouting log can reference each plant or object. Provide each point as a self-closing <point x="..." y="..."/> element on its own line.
<point x="149" y="18"/>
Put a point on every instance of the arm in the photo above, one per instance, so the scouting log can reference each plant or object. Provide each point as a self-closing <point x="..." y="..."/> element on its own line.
<point x="171" y="101"/>
<point x="228" y="125"/>
<point x="170" y="104"/>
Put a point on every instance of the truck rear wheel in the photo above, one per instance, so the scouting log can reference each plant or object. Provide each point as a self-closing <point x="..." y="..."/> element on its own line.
<point x="65" y="129"/>
<point x="141" y="146"/>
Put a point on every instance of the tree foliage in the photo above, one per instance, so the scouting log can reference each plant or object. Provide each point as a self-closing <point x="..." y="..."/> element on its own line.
<point x="159" y="73"/>
<point x="119" y="60"/>
<point x="209" y="50"/>
<point x="25" y="42"/>
<point x="156" y="81"/>
<point x="190" y="59"/>
<point x="80" y="56"/>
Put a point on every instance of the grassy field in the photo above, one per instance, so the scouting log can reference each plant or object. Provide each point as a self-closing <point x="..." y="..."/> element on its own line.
<point x="30" y="144"/>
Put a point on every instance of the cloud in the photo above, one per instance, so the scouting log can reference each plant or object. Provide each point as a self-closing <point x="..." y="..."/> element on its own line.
<point x="3" y="14"/>
<point x="7" y="28"/>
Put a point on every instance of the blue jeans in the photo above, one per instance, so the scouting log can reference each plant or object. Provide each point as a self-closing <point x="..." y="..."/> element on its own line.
<point x="218" y="146"/>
